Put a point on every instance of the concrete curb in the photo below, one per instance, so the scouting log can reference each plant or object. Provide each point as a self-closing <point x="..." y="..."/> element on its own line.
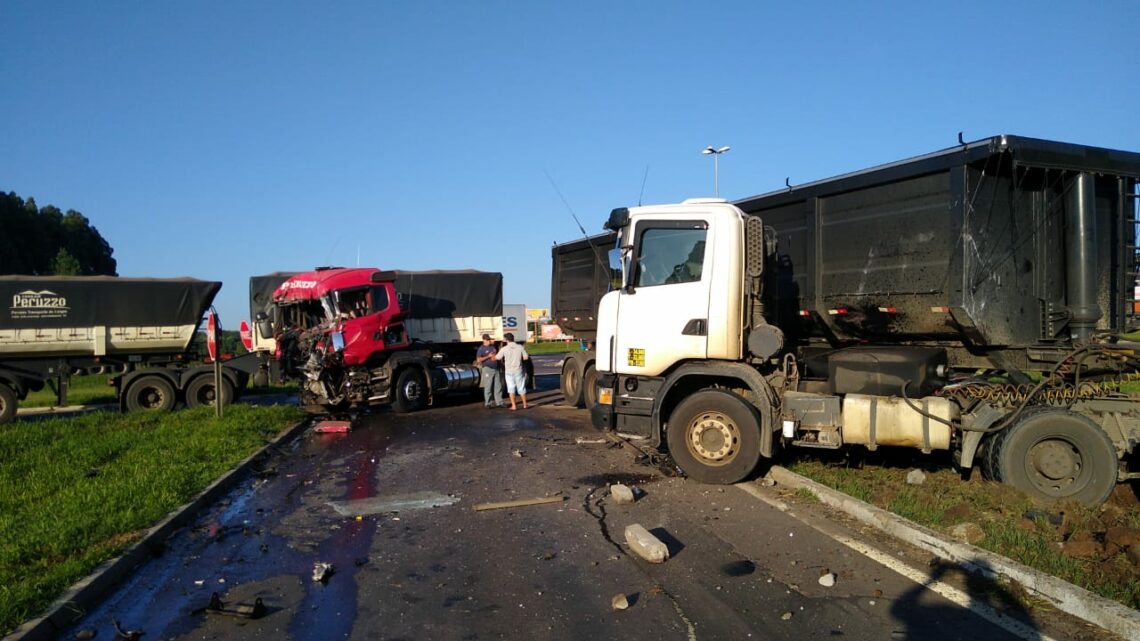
<point x="1064" y="596"/>
<point x="79" y="598"/>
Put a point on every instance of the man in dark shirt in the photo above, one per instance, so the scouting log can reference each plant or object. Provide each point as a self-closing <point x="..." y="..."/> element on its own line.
<point x="489" y="373"/>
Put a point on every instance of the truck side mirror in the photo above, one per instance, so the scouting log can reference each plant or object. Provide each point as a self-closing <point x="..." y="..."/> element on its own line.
<point x="264" y="327"/>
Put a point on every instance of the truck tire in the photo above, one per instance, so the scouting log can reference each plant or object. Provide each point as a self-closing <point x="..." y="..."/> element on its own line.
<point x="714" y="437"/>
<point x="590" y="386"/>
<point x="411" y="391"/>
<point x="1053" y="454"/>
<point x="150" y="393"/>
<point x="571" y="382"/>
<point x="200" y="392"/>
<point x="7" y="403"/>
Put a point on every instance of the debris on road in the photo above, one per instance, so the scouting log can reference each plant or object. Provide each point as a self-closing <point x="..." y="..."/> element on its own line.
<point x="827" y="579"/>
<point x="519" y="503"/>
<point x="517" y="452"/>
<point x="242" y="610"/>
<point x="767" y="481"/>
<point x="127" y="635"/>
<point x="322" y="571"/>
<point x="333" y="427"/>
<point x="620" y="602"/>
<point x="645" y="544"/>
<point x="787" y="616"/>
<point x="590" y="441"/>
<point x="393" y="503"/>
<point x="84" y="634"/>
<point x="916" y="477"/>
<point x="622" y="493"/>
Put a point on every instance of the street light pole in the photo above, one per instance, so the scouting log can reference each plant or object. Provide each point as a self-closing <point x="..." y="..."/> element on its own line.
<point x="715" y="152"/>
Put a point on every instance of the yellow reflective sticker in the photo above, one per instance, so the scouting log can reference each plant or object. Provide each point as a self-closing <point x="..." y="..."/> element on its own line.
<point x="636" y="357"/>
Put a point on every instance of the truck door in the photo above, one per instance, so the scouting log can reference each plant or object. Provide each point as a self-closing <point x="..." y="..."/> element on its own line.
<point x="663" y="313"/>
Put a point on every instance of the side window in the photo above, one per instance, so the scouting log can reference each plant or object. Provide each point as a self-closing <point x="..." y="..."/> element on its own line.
<point x="668" y="255"/>
<point x="379" y="299"/>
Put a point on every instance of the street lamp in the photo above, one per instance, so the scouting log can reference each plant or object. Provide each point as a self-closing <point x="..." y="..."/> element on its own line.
<point x="715" y="152"/>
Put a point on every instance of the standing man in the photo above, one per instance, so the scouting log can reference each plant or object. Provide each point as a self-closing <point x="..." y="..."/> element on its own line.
<point x="513" y="356"/>
<point x="489" y="373"/>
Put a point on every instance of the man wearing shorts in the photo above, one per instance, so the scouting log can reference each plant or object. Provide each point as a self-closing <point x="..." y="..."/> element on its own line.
<point x="512" y="354"/>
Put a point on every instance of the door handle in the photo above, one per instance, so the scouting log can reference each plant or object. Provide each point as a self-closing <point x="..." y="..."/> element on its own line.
<point x="696" y="327"/>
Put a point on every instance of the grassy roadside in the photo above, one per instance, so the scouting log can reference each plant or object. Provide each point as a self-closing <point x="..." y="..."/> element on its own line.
<point x="1069" y="541"/>
<point x="553" y="347"/>
<point x="75" y="492"/>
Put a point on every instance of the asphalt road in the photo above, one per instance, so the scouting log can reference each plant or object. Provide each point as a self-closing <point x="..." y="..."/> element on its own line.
<point x="406" y="570"/>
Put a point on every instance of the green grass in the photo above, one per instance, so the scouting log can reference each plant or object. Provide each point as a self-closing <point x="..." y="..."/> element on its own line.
<point x="75" y="492"/>
<point x="553" y="347"/>
<point x="83" y="390"/>
<point x="944" y="500"/>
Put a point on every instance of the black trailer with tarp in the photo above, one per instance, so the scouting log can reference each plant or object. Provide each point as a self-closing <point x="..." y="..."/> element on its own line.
<point x="139" y="329"/>
<point x="579" y="276"/>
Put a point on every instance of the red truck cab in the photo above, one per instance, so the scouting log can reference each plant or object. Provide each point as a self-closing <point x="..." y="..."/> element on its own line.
<point x="359" y="304"/>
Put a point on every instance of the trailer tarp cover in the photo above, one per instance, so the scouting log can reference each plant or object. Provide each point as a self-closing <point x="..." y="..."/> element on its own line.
<point x="30" y="302"/>
<point x="447" y="293"/>
<point x="261" y="290"/>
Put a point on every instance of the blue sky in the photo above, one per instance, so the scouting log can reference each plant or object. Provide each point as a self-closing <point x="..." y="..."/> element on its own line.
<point x="221" y="140"/>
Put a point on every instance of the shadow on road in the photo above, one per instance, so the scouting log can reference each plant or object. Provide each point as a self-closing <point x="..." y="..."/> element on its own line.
<point x="922" y="614"/>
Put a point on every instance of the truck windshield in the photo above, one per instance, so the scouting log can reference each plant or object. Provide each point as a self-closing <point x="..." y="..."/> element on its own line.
<point x="670" y="255"/>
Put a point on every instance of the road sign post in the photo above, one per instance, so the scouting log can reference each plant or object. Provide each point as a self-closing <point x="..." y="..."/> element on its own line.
<point x="212" y="330"/>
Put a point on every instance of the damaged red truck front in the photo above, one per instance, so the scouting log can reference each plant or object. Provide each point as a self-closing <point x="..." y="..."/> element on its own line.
<point x="355" y="337"/>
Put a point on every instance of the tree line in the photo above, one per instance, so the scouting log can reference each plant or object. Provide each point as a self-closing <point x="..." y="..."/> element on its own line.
<point x="43" y="241"/>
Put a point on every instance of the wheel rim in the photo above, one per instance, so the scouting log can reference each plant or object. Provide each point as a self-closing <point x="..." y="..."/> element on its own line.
<point x="151" y="397"/>
<point x="713" y="437"/>
<point x="412" y="390"/>
<point x="206" y="395"/>
<point x="1056" y="466"/>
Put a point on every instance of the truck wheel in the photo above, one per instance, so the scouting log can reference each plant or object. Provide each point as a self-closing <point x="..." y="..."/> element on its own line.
<point x="571" y="383"/>
<point x="150" y="393"/>
<point x="714" y="437"/>
<point x="590" y="386"/>
<point x="411" y="391"/>
<point x="201" y="392"/>
<point x="7" y="403"/>
<point x="1053" y="454"/>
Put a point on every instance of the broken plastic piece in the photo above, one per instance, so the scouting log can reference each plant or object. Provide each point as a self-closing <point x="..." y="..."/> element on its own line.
<point x="333" y="427"/>
<point x="322" y="571"/>
<point x="243" y="610"/>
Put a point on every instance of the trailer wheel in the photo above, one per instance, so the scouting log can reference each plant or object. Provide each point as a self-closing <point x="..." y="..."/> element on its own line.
<point x="201" y="392"/>
<point x="1053" y="454"/>
<point x="590" y="386"/>
<point x="571" y="383"/>
<point x="411" y="391"/>
<point x="7" y="403"/>
<point x="714" y="437"/>
<point x="151" y="393"/>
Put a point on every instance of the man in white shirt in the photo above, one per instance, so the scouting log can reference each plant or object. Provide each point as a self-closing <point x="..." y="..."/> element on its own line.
<point x="512" y="354"/>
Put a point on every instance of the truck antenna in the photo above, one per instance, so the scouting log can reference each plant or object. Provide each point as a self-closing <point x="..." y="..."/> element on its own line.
<point x="643" y="179"/>
<point x="593" y="248"/>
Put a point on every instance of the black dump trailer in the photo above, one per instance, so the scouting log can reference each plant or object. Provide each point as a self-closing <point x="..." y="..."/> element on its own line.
<point x="138" y="328"/>
<point x="999" y="273"/>
<point x="580" y="276"/>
